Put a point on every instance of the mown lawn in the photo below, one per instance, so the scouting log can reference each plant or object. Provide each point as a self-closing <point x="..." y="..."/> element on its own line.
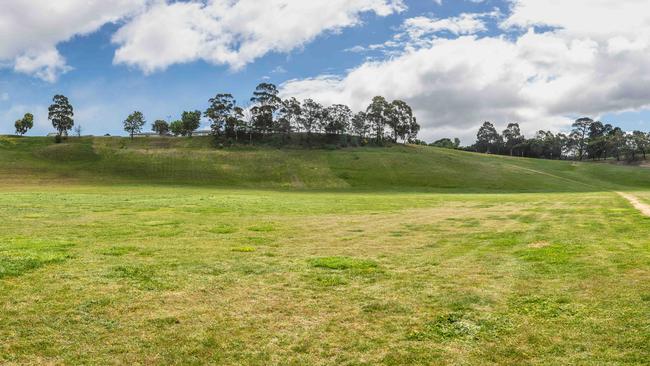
<point x="176" y="275"/>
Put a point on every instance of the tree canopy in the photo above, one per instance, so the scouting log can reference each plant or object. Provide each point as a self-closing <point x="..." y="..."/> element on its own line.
<point x="24" y="124"/>
<point x="61" y="114"/>
<point x="133" y="123"/>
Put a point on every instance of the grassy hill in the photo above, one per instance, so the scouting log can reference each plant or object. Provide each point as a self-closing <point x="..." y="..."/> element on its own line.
<point x="196" y="162"/>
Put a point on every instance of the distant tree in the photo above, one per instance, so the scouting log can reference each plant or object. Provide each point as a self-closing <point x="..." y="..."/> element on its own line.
<point x="377" y="113"/>
<point x="312" y="115"/>
<point x="337" y="119"/>
<point x="290" y="115"/>
<point x="400" y="119"/>
<point x="456" y="142"/>
<point x="160" y="127"/>
<point x="616" y="142"/>
<point x="512" y="137"/>
<point x="580" y="134"/>
<point x="25" y="124"/>
<point x="413" y="130"/>
<point x="221" y="108"/>
<point x="61" y="114"/>
<point x="265" y="105"/>
<point x="446" y="143"/>
<point x="359" y="125"/>
<point x="630" y="147"/>
<point x="235" y="122"/>
<point x="488" y="139"/>
<point x="77" y="130"/>
<point x="133" y="123"/>
<point x="641" y="141"/>
<point x="596" y="143"/>
<point x="177" y="128"/>
<point x="191" y="122"/>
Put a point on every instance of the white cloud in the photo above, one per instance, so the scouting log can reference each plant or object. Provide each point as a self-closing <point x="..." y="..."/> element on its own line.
<point x="464" y="24"/>
<point x="30" y="30"/>
<point x="594" y="59"/>
<point x="234" y="33"/>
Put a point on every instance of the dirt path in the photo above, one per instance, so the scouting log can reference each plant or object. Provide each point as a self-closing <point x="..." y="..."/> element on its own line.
<point x="645" y="209"/>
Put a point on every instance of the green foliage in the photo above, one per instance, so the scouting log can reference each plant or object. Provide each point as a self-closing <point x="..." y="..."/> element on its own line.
<point x="160" y="127"/>
<point x="61" y="114"/>
<point x="177" y="128"/>
<point x="133" y="123"/>
<point x="190" y="122"/>
<point x="25" y="124"/>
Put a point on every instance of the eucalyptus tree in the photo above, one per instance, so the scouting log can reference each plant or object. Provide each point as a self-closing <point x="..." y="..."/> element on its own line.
<point x="377" y="113"/>
<point x="160" y="127"/>
<point x="24" y="124"/>
<point x="580" y="134"/>
<point x="488" y="139"/>
<point x="400" y="119"/>
<point x="337" y="119"/>
<point x="221" y="110"/>
<point x="266" y="104"/>
<point x="290" y="115"/>
<point x="61" y="114"/>
<point x="641" y="141"/>
<point x="311" y="116"/>
<point x="176" y="128"/>
<point x="191" y="121"/>
<point x="133" y="123"/>
<point x="512" y="137"/>
<point x="359" y="125"/>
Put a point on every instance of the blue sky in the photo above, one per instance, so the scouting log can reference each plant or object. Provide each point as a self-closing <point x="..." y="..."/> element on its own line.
<point x="450" y="102"/>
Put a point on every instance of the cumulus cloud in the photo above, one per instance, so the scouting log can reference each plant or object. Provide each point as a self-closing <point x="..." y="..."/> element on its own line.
<point x="559" y="59"/>
<point x="234" y="33"/>
<point x="30" y="30"/>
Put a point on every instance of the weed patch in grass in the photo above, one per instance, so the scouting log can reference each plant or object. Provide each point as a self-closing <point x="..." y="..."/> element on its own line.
<point x="141" y="276"/>
<point x="328" y="280"/>
<point x="384" y="307"/>
<point x="223" y="229"/>
<point x="544" y="307"/>
<point x="344" y="263"/>
<point x="263" y="228"/>
<point x="119" y="251"/>
<point x="164" y="322"/>
<point x="243" y="249"/>
<point x="447" y="327"/>
<point x="14" y="266"/>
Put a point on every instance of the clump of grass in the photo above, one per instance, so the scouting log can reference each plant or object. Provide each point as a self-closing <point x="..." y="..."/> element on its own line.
<point x="165" y="322"/>
<point x="262" y="228"/>
<point x="119" y="251"/>
<point x="328" y="280"/>
<point x="243" y="249"/>
<point x="13" y="266"/>
<point x="155" y="223"/>
<point x="344" y="263"/>
<point x="447" y="327"/>
<point x="143" y="277"/>
<point x="385" y="307"/>
<point x="544" y="307"/>
<point x="223" y="229"/>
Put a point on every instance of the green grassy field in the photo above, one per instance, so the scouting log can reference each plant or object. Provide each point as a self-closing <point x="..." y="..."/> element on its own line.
<point x="168" y="252"/>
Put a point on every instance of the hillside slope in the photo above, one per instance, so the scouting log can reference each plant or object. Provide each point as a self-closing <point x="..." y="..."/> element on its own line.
<point x="195" y="162"/>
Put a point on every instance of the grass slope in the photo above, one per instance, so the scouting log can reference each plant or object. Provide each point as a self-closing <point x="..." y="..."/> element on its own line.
<point x="195" y="162"/>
